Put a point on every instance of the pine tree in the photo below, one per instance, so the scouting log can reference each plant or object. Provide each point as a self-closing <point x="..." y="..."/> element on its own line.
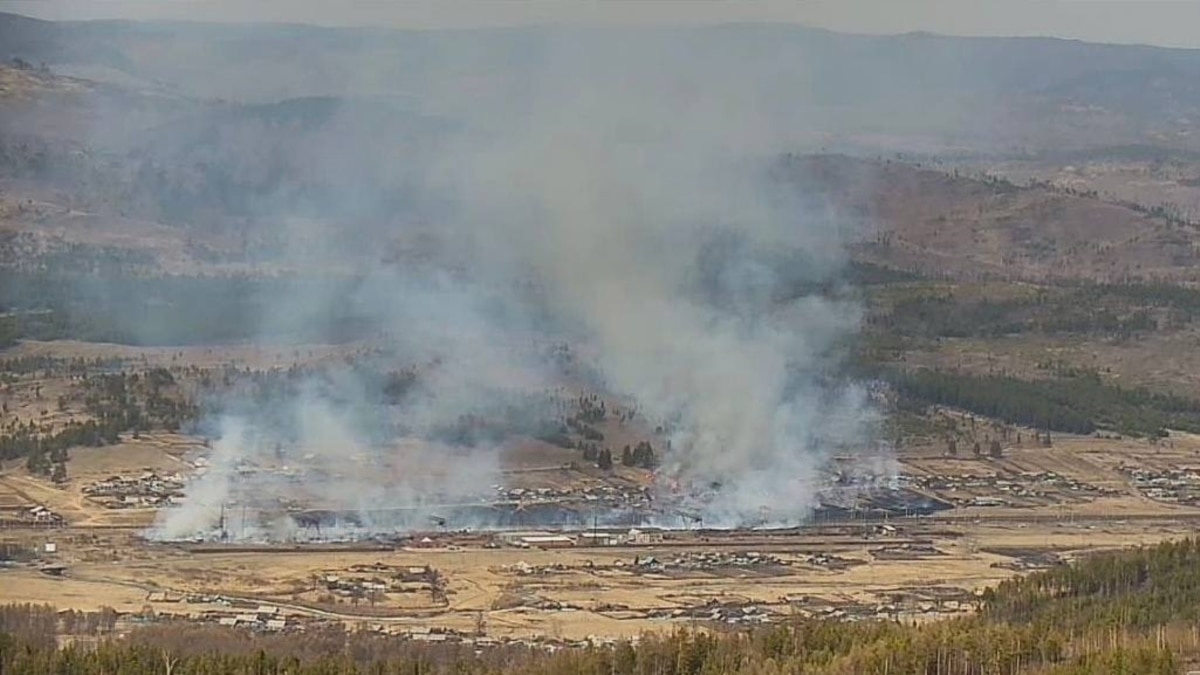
<point x="38" y="463"/>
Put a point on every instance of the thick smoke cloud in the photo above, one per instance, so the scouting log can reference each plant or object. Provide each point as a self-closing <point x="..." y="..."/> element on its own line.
<point x="637" y="191"/>
<point x="624" y="198"/>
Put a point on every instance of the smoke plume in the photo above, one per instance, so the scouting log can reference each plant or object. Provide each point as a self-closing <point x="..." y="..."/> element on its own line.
<point x="624" y="197"/>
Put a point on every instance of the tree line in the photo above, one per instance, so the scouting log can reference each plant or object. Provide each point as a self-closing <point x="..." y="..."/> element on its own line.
<point x="137" y="309"/>
<point x="1080" y="405"/>
<point x="1112" y="310"/>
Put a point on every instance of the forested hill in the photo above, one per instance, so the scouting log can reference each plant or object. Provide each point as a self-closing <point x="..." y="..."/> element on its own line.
<point x="1129" y="612"/>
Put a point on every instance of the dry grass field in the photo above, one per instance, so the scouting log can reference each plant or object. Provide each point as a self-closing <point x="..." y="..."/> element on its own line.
<point x="569" y="594"/>
<point x="925" y="567"/>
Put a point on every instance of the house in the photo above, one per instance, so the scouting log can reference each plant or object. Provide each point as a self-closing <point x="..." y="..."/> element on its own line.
<point x="548" y="541"/>
<point x="645" y="536"/>
<point x="514" y="538"/>
<point x="41" y="514"/>
<point x="412" y="574"/>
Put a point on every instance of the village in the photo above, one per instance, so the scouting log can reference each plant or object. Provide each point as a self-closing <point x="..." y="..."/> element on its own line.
<point x="1028" y="489"/>
<point x="36" y="516"/>
<point x="148" y="489"/>
<point x="1177" y="485"/>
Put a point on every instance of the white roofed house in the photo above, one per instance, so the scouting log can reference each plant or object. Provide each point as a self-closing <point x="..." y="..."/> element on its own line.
<point x="547" y="541"/>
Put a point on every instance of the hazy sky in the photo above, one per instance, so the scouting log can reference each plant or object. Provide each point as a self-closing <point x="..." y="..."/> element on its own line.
<point x="1159" y="22"/>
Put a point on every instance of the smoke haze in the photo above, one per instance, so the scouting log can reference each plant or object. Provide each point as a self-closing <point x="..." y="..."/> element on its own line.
<point x="624" y="197"/>
<point x="480" y="227"/>
<point x="641" y="200"/>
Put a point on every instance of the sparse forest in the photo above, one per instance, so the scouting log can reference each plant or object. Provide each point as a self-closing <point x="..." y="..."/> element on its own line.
<point x="112" y="404"/>
<point x="164" y="310"/>
<point x="1113" y="311"/>
<point x="1082" y="404"/>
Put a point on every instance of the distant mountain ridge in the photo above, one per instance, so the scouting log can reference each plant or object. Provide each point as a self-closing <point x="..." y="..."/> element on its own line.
<point x="996" y="91"/>
<point x="345" y="125"/>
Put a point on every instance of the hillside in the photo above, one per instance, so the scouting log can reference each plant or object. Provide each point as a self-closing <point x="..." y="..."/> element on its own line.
<point x="962" y="272"/>
<point x="1000" y="94"/>
<point x="964" y="227"/>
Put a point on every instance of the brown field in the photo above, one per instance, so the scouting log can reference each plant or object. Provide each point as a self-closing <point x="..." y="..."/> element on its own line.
<point x="1147" y="182"/>
<point x="245" y="356"/>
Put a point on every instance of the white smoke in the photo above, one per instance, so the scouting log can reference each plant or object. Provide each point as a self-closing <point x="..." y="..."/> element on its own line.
<point x="626" y="202"/>
<point x="641" y="201"/>
<point x="209" y="492"/>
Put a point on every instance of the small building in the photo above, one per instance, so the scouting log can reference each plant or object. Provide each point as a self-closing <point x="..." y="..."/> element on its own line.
<point x="645" y="536"/>
<point x="514" y="538"/>
<point x="548" y="541"/>
<point x="597" y="539"/>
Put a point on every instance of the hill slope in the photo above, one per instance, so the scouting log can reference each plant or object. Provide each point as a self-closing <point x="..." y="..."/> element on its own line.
<point x="909" y="90"/>
<point x="960" y="227"/>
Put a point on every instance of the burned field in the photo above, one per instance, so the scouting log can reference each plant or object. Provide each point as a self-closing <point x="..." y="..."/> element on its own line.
<point x="569" y="514"/>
